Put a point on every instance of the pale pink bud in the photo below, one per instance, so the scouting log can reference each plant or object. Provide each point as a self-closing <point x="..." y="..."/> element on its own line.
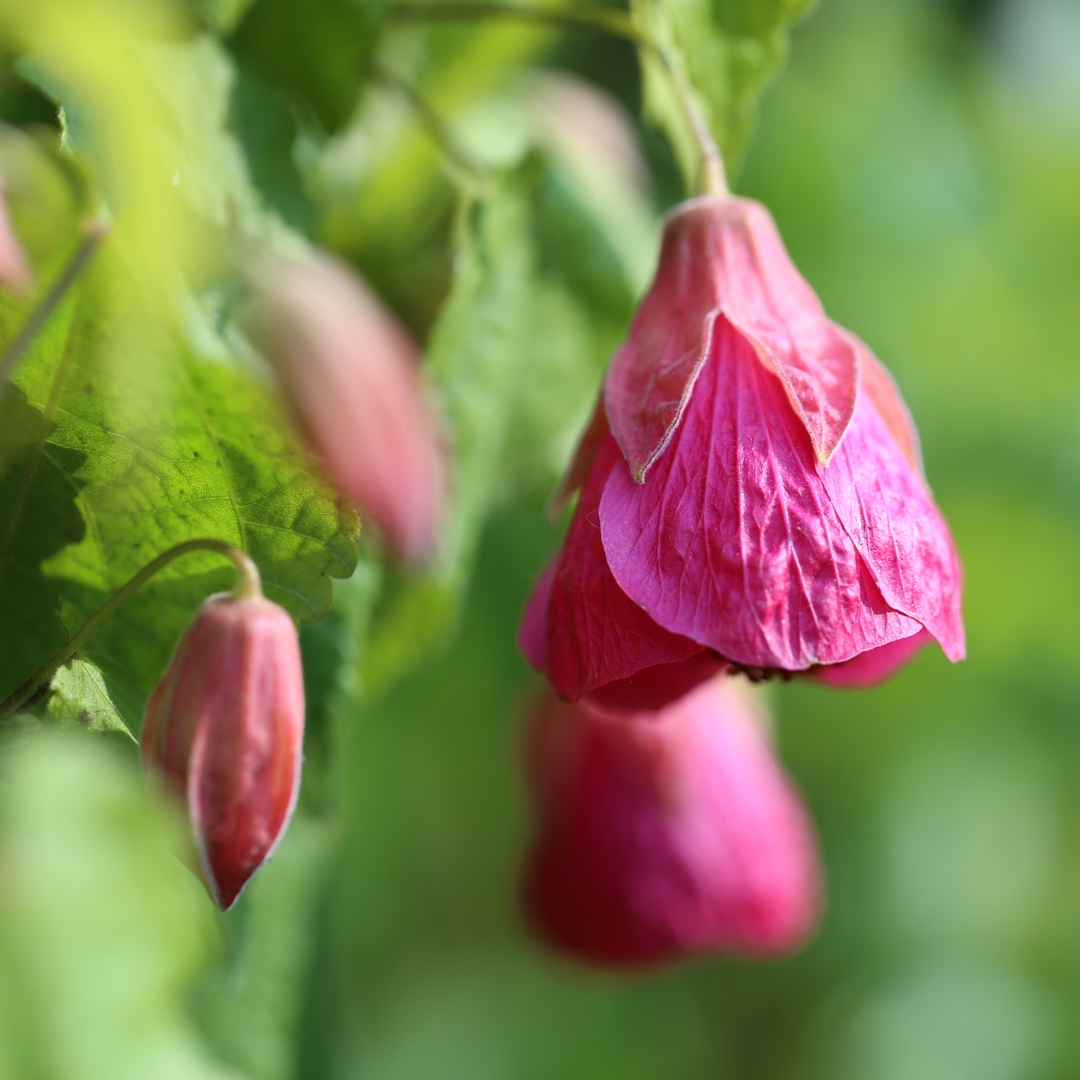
<point x="666" y="833"/>
<point x="13" y="269"/>
<point x="224" y="732"/>
<point x="351" y="376"/>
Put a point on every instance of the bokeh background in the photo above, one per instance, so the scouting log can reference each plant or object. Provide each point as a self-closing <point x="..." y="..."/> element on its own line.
<point x="922" y="160"/>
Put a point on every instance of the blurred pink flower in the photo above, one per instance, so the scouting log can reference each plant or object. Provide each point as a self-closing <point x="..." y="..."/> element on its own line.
<point x="751" y="486"/>
<point x="224" y="731"/>
<point x="351" y="376"/>
<point x="660" y="834"/>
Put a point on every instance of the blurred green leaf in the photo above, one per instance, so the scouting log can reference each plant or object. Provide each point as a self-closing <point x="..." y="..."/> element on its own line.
<point x="101" y="928"/>
<point x="316" y="51"/>
<point x="515" y="358"/>
<point x="726" y="51"/>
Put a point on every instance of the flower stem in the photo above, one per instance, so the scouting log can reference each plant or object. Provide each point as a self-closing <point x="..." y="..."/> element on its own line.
<point x="711" y="179"/>
<point x="94" y="233"/>
<point x="248" y="585"/>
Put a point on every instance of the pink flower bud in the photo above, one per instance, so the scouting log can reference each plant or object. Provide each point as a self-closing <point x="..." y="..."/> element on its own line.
<point x="224" y="730"/>
<point x="666" y="833"/>
<point x="751" y="487"/>
<point x="351" y="376"/>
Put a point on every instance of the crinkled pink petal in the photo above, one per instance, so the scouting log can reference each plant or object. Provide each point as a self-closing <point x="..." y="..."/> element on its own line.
<point x="596" y="633"/>
<point x="725" y="256"/>
<point x="733" y="541"/>
<point x="882" y="390"/>
<point x="894" y="524"/>
<point x="874" y="666"/>
<point x="665" y="833"/>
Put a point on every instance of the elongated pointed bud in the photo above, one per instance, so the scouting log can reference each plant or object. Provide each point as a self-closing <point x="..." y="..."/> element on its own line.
<point x="661" y="834"/>
<point x="351" y="377"/>
<point x="224" y="732"/>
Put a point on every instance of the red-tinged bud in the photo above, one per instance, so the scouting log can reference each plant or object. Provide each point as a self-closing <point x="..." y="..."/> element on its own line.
<point x="351" y="376"/>
<point x="661" y="834"/>
<point x="224" y="732"/>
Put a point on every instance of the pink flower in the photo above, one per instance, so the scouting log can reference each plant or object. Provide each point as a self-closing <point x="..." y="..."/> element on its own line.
<point x="351" y="377"/>
<point x="223" y="733"/>
<point x="751" y="489"/>
<point x="666" y="833"/>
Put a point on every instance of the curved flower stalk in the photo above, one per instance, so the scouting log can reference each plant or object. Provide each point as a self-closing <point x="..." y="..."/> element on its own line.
<point x="351" y="377"/>
<point x="224" y="731"/>
<point x="751" y="488"/>
<point x="665" y="833"/>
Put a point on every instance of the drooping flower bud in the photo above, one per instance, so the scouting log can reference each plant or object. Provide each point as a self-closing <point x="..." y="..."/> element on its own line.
<point x="224" y="731"/>
<point x="660" y="834"/>
<point x="351" y="377"/>
<point x="751" y="487"/>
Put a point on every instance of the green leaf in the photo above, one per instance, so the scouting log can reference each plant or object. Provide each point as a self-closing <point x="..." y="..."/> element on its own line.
<point x="726" y="51"/>
<point x="133" y="447"/>
<point x="80" y="698"/>
<point x="102" y="930"/>
<point x="316" y="51"/>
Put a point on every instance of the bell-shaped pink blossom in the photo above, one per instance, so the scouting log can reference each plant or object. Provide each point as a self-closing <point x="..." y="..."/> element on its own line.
<point x="224" y="731"/>
<point x="664" y="833"/>
<point x="751" y="487"/>
<point x="351" y="376"/>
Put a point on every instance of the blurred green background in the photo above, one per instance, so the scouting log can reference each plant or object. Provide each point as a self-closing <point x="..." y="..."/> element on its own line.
<point x="922" y="160"/>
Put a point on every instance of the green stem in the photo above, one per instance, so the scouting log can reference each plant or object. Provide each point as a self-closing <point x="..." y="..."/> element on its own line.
<point x="95" y="231"/>
<point x="248" y="585"/>
<point x="711" y="179"/>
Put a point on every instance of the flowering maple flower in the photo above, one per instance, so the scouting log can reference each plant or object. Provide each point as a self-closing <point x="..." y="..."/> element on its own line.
<point x="351" y="377"/>
<point x="751" y="489"/>
<point x="224" y="731"/>
<point x="663" y="833"/>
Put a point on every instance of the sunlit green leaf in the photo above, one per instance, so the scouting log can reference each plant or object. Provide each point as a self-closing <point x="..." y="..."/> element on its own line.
<point x="726" y="51"/>
<point x="101" y="928"/>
